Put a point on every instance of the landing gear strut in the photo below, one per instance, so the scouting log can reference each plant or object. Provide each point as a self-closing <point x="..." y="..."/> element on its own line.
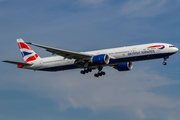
<point x="86" y="71"/>
<point x="100" y="72"/>
<point x="165" y="58"/>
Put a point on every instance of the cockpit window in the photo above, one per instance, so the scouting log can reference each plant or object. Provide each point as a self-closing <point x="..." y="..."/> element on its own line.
<point x="172" y="46"/>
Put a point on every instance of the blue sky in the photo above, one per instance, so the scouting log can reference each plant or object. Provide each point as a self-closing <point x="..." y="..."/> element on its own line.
<point x="150" y="91"/>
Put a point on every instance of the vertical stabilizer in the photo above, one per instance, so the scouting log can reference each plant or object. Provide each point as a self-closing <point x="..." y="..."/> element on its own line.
<point x="27" y="53"/>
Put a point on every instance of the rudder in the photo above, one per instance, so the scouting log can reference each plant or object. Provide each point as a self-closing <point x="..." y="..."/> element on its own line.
<point x="27" y="53"/>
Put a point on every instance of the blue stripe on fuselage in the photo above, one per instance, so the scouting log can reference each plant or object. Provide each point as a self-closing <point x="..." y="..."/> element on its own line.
<point x="59" y="68"/>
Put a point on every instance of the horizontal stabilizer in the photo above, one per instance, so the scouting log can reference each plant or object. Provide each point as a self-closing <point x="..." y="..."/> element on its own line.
<point x="17" y="63"/>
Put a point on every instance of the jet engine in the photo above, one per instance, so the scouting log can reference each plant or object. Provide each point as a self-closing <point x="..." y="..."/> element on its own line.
<point x="124" y="66"/>
<point x="100" y="59"/>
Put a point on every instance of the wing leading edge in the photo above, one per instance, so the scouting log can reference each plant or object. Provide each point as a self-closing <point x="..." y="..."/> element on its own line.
<point x="64" y="53"/>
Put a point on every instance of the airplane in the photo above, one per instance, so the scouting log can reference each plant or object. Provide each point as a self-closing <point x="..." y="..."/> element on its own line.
<point x="120" y="58"/>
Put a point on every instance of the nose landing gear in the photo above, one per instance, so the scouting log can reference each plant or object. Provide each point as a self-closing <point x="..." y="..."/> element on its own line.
<point x="165" y="58"/>
<point x="164" y="63"/>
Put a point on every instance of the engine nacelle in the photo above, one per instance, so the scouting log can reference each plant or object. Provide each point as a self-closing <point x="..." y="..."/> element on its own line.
<point x="100" y="59"/>
<point x="124" y="66"/>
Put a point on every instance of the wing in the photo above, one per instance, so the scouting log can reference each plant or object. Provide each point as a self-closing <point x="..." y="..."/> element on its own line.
<point x="64" y="53"/>
<point x="17" y="63"/>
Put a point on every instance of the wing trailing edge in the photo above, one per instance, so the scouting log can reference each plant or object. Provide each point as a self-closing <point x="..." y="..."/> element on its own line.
<point x="64" y="53"/>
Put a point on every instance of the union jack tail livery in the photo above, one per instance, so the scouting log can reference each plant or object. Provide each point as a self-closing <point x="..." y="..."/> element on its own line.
<point x="27" y="53"/>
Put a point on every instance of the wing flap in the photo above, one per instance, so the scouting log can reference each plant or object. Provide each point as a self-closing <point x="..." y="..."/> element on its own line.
<point x="64" y="53"/>
<point x="17" y="63"/>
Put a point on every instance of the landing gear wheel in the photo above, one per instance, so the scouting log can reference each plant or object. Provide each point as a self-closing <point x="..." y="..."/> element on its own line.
<point x="164" y="63"/>
<point x="86" y="71"/>
<point x="96" y="75"/>
<point x="103" y="73"/>
<point x="89" y="70"/>
<point x="82" y="72"/>
<point x="100" y="74"/>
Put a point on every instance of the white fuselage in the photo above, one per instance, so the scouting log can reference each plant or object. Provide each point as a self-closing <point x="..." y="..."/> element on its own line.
<point x="117" y="55"/>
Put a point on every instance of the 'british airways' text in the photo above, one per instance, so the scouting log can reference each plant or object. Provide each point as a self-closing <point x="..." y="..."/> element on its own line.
<point x="142" y="52"/>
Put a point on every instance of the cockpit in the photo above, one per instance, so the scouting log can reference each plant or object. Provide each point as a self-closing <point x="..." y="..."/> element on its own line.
<point x="171" y="46"/>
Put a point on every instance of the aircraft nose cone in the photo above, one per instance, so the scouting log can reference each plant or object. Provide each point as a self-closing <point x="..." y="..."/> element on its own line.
<point x="176" y="49"/>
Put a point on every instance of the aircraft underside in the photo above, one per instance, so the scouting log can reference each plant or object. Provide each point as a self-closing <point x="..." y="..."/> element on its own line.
<point x="111" y="63"/>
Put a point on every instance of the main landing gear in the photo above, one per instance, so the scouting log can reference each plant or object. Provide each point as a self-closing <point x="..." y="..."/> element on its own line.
<point x="86" y="71"/>
<point x="100" y="72"/>
<point x="165" y="58"/>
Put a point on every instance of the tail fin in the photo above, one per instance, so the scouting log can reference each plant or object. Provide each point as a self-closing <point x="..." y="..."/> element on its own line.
<point x="27" y="53"/>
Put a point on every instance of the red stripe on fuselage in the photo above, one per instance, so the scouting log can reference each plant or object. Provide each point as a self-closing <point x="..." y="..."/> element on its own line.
<point x="156" y="46"/>
<point x="23" y="45"/>
<point x="32" y="58"/>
